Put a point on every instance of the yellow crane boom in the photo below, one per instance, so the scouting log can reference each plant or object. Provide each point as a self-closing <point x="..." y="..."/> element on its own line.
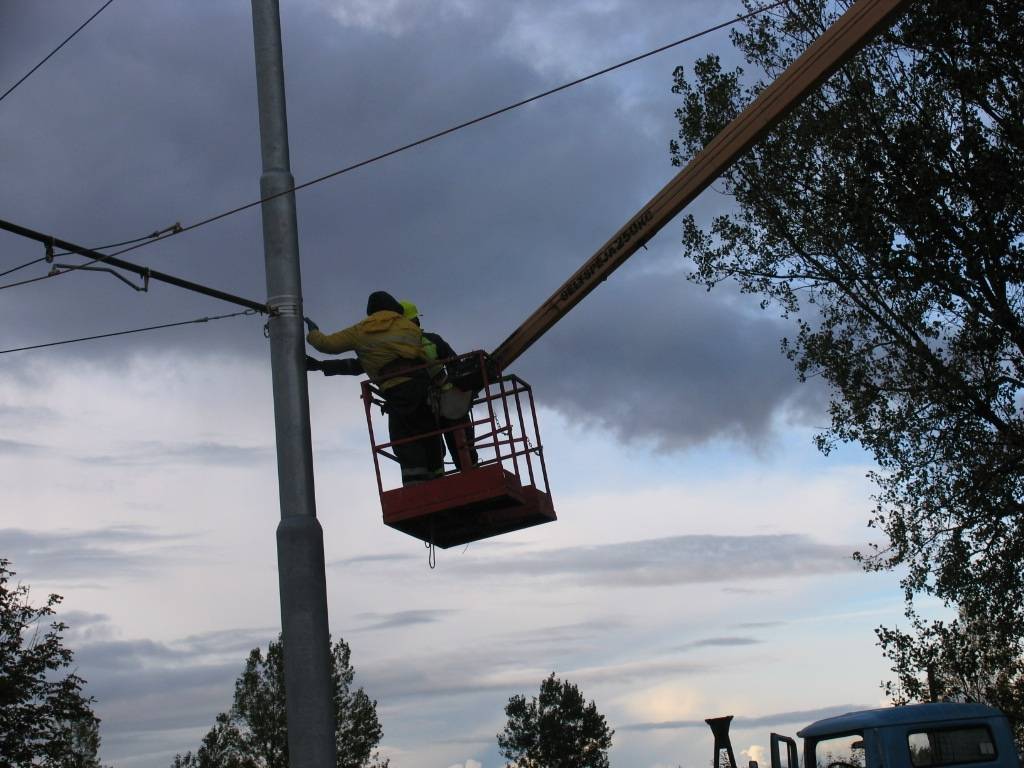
<point x="850" y="32"/>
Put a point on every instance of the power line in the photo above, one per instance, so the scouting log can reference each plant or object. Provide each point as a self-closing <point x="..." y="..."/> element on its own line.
<point x="173" y="229"/>
<point x="92" y="253"/>
<point x="22" y="266"/>
<point x="426" y="139"/>
<point x="97" y="248"/>
<point x="133" y="330"/>
<point x="50" y="242"/>
<point x="478" y="119"/>
<point x="66" y="41"/>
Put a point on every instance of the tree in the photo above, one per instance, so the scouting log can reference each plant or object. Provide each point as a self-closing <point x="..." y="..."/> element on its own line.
<point x="45" y="719"/>
<point x="555" y="730"/>
<point x="962" y="661"/>
<point x="885" y="216"/>
<point x="254" y="734"/>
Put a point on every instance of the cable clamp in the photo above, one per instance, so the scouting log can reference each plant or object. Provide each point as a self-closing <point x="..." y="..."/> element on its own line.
<point x="174" y="229"/>
<point x="284" y="306"/>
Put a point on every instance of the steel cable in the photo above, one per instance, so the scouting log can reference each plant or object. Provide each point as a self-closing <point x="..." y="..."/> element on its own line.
<point x="51" y="53"/>
<point x="418" y="142"/>
<point x="125" y="333"/>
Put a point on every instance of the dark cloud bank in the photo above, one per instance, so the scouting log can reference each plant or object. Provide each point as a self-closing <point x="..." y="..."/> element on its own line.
<point x="149" y="118"/>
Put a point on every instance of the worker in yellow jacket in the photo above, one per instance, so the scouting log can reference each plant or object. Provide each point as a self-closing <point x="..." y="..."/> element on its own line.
<point x="436" y="348"/>
<point x="386" y="346"/>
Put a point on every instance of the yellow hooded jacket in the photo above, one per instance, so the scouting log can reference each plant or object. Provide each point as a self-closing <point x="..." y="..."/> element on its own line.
<point x="377" y="340"/>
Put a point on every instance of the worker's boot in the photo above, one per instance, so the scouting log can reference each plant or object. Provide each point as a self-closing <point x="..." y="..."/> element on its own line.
<point x="415" y="475"/>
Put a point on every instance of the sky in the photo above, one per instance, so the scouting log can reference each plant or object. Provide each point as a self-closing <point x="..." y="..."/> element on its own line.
<point x="700" y="564"/>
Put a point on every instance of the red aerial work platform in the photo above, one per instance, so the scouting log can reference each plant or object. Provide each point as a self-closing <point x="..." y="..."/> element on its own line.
<point x="506" y="490"/>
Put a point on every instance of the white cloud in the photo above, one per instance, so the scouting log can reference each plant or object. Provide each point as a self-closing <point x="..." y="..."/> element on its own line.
<point x="664" y="701"/>
<point x="172" y="558"/>
<point x="755" y="752"/>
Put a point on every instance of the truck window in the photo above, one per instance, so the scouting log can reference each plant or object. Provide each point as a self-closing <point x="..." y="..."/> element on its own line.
<point x="840" y="752"/>
<point x="950" y="746"/>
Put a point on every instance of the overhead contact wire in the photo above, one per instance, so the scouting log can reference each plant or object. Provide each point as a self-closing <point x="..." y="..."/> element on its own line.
<point x="69" y="253"/>
<point x="479" y="119"/>
<point x="125" y="333"/>
<point x="419" y="142"/>
<point x="22" y="266"/>
<point x="67" y="39"/>
<point x="173" y="229"/>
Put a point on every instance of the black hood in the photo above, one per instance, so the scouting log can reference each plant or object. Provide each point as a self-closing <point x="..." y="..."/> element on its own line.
<point x="382" y="300"/>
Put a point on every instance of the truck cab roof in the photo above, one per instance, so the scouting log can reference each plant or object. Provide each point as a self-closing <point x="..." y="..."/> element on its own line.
<point x="909" y="714"/>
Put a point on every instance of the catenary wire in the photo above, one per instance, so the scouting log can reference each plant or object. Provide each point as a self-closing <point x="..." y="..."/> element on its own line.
<point x="51" y="53"/>
<point x="99" y="248"/>
<point x="474" y="121"/>
<point x="168" y="230"/>
<point x="125" y="333"/>
<point x="22" y="266"/>
<point x="418" y="142"/>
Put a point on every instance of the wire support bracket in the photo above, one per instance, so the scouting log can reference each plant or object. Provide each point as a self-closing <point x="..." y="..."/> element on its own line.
<point x="144" y="288"/>
<point x="110" y="260"/>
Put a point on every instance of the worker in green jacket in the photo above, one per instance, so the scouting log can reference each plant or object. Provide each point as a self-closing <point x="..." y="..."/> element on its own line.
<point x="386" y="346"/>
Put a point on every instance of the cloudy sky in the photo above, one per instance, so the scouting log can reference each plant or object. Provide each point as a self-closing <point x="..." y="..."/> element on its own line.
<point x="700" y="564"/>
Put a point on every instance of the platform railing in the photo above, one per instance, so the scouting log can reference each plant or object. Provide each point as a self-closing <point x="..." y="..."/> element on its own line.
<point x="503" y="416"/>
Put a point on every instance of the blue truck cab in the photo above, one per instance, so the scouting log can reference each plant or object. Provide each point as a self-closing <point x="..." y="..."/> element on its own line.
<point x="912" y="736"/>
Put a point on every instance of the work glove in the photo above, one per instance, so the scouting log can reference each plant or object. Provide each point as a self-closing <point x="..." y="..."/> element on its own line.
<point x="310" y="325"/>
<point x="312" y="364"/>
<point x="349" y="366"/>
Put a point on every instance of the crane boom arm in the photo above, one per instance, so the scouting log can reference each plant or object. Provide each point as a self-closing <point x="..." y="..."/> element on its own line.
<point x="839" y="42"/>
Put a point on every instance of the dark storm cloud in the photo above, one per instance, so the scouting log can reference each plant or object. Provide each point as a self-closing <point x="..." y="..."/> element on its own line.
<point x="203" y="452"/>
<point x="150" y="118"/>
<point x="802" y="717"/>
<point x="673" y="367"/>
<point x="674" y="560"/>
<point x="99" y="554"/>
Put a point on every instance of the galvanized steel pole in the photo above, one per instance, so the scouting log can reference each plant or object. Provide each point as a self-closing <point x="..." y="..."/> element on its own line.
<point x="300" y="548"/>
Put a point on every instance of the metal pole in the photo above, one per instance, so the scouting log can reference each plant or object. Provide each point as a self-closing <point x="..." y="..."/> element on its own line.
<point x="300" y="549"/>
